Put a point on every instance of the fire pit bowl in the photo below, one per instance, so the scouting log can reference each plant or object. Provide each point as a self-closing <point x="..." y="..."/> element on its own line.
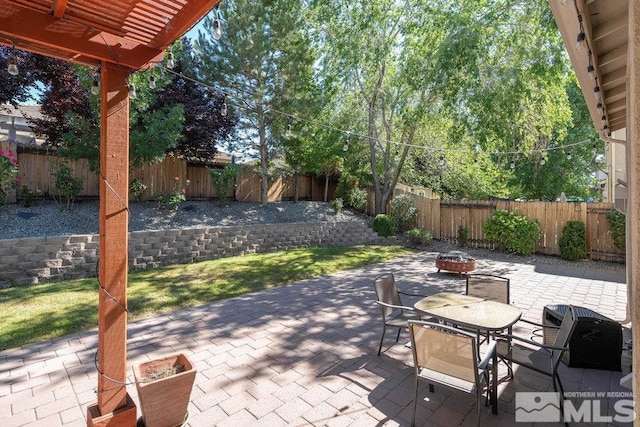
<point x="456" y="261"/>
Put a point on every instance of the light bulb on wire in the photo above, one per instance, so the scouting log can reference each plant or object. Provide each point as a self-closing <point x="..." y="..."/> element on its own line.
<point x="217" y="26"/>
<point x="223" y="109"/>
<point x="542" y="161"/>
<point x="152" y="82"/>
<point x="171" y="62"/>
<point x="12" y="67"/>
<point x="568" y="156"/>
<point x="132" y="91"/>
<point x="580" y="40"/>
<point x="591" y="70"/>
<point x="95" y="85"/>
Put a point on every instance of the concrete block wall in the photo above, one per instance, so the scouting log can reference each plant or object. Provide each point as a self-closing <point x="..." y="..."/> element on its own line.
<point x="35" y="260"/>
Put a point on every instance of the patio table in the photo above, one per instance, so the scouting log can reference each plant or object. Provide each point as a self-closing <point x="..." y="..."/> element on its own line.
<point x="474" y="313"/>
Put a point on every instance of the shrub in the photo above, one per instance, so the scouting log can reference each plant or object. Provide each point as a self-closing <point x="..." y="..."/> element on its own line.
<point x="384" y="225"/>
<point x="172" y="201"/>
<point x="463" y="236"/>
<point x="8" y="174"/>
<point x="137" y="189"/>
<point x="66" y="187"/>
<point x="403" y="211"/>
<point x="617" y="228"/>
<point x="358" y="199"/>
<point x="515" y="233"/>
<point x="573" y="241"/>
<point x="337" y="205"/>
<point x="224" y="181"/>
<point x="27" y="196"/>
<point x="419" y="236"/>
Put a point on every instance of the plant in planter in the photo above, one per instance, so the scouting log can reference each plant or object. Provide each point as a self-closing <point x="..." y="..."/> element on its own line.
<point x="164" y="389"/>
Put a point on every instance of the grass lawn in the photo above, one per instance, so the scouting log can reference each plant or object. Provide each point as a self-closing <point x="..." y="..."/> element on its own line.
<point x="34" y="313"/>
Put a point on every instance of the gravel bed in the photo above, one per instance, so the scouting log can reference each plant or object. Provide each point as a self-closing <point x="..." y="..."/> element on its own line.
<point x="46" y="218"/>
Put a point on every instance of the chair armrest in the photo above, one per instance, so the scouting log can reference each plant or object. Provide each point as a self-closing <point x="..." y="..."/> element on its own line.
<point x="537" y="344"/>
<point x="491" y="349"/>
<point x="411" y="295"/>
<point x="397" y="307"/>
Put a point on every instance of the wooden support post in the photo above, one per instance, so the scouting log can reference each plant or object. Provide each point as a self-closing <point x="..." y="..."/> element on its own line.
<point x="114" y="406"/>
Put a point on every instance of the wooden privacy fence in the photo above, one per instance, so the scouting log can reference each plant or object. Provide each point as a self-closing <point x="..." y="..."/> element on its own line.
<point x="443" y="218"/>
<point x="35" y="171"/>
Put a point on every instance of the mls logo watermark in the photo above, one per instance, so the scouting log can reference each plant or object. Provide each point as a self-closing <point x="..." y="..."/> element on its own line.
<point x="538" y="407"/>
<point x="585" y="407"/>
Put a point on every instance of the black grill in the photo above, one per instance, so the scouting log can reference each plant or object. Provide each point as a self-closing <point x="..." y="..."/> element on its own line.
<point x="596" y="341"/>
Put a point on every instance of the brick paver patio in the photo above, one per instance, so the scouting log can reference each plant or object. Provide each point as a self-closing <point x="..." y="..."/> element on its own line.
<point x="305" y="354"/>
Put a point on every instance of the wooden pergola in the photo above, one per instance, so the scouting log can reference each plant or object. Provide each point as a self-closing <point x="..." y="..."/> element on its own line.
<point x="119" y="36"/>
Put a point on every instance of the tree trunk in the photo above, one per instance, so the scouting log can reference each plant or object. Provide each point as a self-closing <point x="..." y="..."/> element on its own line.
<point x="264" y="161"/>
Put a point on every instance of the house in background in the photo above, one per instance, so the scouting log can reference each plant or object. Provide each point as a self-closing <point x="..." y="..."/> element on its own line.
<point x="14" y="126"/>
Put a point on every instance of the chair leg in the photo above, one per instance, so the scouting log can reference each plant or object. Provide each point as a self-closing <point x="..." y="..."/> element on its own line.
<point x="384" y="330"/>
<point x="398" y="337"/>
<point x="415" y="402"/>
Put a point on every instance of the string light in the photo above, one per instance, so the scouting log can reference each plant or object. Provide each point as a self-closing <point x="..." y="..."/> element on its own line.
<point x="582" y="37"/>
<point x="12" y="66"/>
<point x="224" y="109"/>
<point x="568" y="155"/>
<point x="152" y="82"/>
<point x="591" y="70"/>
<point x="95" y="84"/>
<point x="288" y="132"/>
<point x="170" y="61"/>
<point x="217" y="25"/>
<point x="132" y="91"/>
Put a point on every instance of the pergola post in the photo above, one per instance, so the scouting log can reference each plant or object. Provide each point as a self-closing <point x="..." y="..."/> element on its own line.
<point x="114" y="406"/>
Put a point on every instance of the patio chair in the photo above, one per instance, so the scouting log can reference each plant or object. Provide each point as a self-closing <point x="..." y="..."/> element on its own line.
<point x="489" y="287"/>
<point x="540" y="357"/>
<point x="394" y="313"/>
<point x="449" y="356"/>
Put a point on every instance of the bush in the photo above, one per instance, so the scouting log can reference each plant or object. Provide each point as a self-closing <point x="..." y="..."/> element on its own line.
<point x="515" y="233"/>
<point x="337" y="205"/>
<point x="27" y="196"/>
<point x="419" y="236"/>
<point x="137" y="189"/>
<point x="403" y="211"/>
<point x="172" y="201"/>
<point x="358" y="199"/>
<point x="66" y="187"/>
<point x="573" y="241"/>
<point x="384" y="225"/>
<point x="617" y="228"/>
<point x="224" y="181"/>
<point x="463" y="236"/>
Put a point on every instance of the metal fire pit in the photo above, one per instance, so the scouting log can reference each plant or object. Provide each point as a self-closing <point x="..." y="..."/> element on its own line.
<point x="456" y="261"/>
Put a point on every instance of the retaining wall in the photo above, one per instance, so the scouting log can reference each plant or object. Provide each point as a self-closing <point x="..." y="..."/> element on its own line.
<point x="35" y="260"/>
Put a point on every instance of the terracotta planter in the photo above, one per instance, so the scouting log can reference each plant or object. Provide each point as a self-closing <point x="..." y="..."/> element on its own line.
<point x="164" y="401"/>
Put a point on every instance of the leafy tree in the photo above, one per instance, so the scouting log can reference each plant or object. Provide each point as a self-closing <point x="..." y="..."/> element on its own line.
<point x="264" y="63"/>
<point x="387" y="74"/>
<point x="205" y="127"/>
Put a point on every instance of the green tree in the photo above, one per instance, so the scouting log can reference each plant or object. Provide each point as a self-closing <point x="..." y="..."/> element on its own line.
<point x="264" y="64"/>
<point x="380" y="55"/>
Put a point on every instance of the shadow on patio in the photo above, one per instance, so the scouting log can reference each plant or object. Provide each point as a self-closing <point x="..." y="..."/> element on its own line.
<point x="305" y="354"/>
